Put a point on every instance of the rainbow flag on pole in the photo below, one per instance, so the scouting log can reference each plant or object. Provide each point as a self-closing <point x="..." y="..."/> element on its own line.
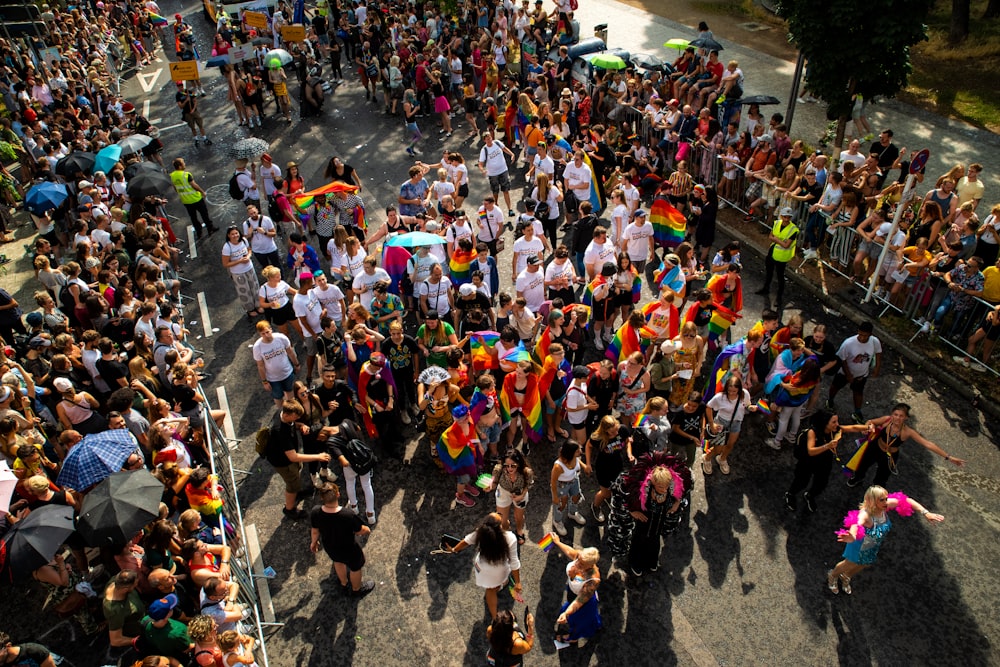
<point x="481" y="345"/>
<point x="669" y="224"/>
<point x="627" y="340"/>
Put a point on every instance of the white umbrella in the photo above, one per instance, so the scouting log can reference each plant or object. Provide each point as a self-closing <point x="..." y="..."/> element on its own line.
<point x="7" y="483"/>
<point x="282" y="56"/>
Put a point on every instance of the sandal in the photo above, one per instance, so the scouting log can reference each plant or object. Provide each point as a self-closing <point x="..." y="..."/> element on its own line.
<point x="831" y="583"/>
<point x="845" y="584"/>
<point x="563" y="432"/>
<point x="520" y="538"/>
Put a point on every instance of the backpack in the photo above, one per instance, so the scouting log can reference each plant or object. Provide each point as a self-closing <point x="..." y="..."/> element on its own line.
<point x="66" y="301"/>
<point x="235" y="191"/>
<point x="359" y="455"/>
<point x="261" y="440"/>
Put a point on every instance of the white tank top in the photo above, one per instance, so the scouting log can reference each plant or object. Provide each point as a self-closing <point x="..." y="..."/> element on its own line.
<point x="568" y="474"/>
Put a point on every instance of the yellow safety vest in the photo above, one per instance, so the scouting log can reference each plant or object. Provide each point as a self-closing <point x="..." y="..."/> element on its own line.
<point x="783" y="254"/>
<point x="182" y="183"/>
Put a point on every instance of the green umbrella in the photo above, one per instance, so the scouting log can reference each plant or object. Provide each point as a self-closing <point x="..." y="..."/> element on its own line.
<point x="678" y="43"/>
<point x="606" y="61"/>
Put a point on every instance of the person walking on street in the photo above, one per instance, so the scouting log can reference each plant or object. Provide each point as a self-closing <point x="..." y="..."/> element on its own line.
<point x="493" y="164"/>
<point x="192" y="197"/>
<point x="860" y="358"/>
<point x="284" y="452"/>
<point x="497" y="560"/>
<point x="337" y="529"/>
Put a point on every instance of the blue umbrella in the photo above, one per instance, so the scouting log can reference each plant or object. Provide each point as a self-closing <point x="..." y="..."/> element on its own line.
<point x="45" y="197"/>
<point x="414" y="239"/>
<point x="96" y="457"/>
<point x="107" y="158"/>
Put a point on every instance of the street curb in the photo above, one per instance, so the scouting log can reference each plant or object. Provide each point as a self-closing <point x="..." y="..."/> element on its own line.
<point x="851" y="312"/>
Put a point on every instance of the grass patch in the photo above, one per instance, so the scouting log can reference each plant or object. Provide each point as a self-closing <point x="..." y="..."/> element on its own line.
<point x="737" y="8"/>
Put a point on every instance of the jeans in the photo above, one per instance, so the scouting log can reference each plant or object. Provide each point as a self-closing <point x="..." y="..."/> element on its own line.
<point x="569" y="490"/>
<point x="815" y="230"/>
<point x="788" y="422"/>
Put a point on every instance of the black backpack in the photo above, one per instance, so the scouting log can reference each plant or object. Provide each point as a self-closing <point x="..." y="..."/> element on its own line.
<point x="235" y="191"/>
<point x="359" y="455"/>
<point x="66" y="301"/>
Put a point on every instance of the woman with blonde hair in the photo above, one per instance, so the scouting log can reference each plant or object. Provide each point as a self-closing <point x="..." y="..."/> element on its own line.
<point x="689" y="353"/>
<point x="607" y="449"/>
<point x="579" y="617"/>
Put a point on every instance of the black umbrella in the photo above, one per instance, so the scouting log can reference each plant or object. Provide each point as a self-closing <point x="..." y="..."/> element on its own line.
<point x="33" y="542"/>
<point x="147" y="183"/>
<point x="706" y="43"/>
<point x="646" y="61"/>
<point x="117" y="508"/>
<point x="759" y="99"/>
<point x="77" y="161"/>
<point x="139" y="167"/>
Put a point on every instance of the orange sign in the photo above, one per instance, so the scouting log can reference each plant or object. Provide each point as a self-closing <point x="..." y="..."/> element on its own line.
<point x="185" y="70"/>
<point x="255" y="20"/>
<point x="293" y="33"/>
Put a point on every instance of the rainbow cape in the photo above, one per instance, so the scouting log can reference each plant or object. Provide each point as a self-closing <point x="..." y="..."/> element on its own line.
<point x="517" y="354"/>
<point x="531" y="405"/>
<point x="669" y="224"/>
<point x="636" y="287"/>
<point x="461" y="266"/>
<point x="394" y="261"/>
<point x="481" y="347"/>
<point x="799" y="392"/>
<point x="549" y="375"/>
<point x="542" y="344"/>
<point x="306" y="199"/>
<point x="674" y="326"/>
<point x="627" y="340"/>
<point x="157" y="19"/>
<point x="737" y="357"/>
<point x="722" y="319"/>
<point x="672" y="277"/>
<point x="456" y="451"/>
<point x="205" y="501"/>
<point x="780" y="341"/>
<point x="480" y="402"/>
<point x="717" y="286"/>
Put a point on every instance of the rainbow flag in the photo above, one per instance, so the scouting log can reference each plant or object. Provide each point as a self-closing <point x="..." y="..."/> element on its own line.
<point x="394" y="261"/>
<point x="674" y="323"/>
<point x="516" y="355"/>
<point x="799" y="392"/>
<point x="672" y="277"/>
<point x="461" y="266"/>
<point x="542" y="345"/>
<point x="208" y="504"/>
<point x="641" y="420"/>
<point x="157" y="19"/>
<point x="306" y="199"/>
<point x="549" y="375"/>
<point x="636" y="287"/>
<point x="531" y="406"/>
<point x="780" y="341"/>
<point x="628" y="340"/>
<point x="588" y="293"/>
<point x="360" y="221"/>
<point x="763" y="407"/>
<point x="454" y="449"/>
<point x="480" y="345"/>
<point x="479" y="402"/>
<point x="546" y="542"/>
<point x="669" y="224"/>
<point x="717" y="286"/>
<point x="733" y="357"/>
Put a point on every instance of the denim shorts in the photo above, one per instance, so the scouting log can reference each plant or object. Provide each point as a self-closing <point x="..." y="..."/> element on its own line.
<point x="280" y="387"/>
<point x="492" y="433"/>
<point x="734" y="428"/>
<point x="568" y="489"/>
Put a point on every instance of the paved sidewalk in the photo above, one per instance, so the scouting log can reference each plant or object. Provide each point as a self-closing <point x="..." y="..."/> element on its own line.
<point x="949" y="141"/>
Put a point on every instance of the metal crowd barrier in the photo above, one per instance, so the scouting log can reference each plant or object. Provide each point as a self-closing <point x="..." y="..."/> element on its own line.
<point x="245" y="565"/>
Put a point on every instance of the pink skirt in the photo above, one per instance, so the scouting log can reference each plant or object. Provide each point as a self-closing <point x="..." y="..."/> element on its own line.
<point x="441" y="104"/>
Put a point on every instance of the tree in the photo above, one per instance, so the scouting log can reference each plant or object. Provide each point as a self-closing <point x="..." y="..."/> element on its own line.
<point x="992" y="10"/>
<point x="959" y="21"/>
<point x="855" y="46"/>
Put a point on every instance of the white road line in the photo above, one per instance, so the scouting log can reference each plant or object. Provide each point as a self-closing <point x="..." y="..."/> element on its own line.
<point x="227" y="424"/>
<point x="192" y="248"/>
<point x="206" y="323"/>
<point x="145" y="113"/>
<point x="148" y="80"/>
<point x="172" y="127"/>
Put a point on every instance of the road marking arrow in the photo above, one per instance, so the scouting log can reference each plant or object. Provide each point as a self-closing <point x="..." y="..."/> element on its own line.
<point x="147" y="81"/>
<point x="145" y="113"/>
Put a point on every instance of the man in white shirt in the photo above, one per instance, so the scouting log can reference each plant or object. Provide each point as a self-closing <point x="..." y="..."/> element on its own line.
<point x="577" y="179"/>
<point x="530" y="284"/>
<point x="268" y="172"/>
<point x="631" y="196"/>
<point x="309" y="311"/>
<point x="856" y="354"/>
<point x="246" y="178"/>
<point x="600" y="250"/>
<point x="638" y="240"/>
<point x="491" y="223"/>
<point x="852" y="154"/>
<point x="527" y="246"/>
<point x="364" y="282"/>
<point x="435" y="293"/>
<point x="542" y="163"/>
<point x="261" y="231"/>
<point x="493" y="164"/>
<point x="460" y="229"/>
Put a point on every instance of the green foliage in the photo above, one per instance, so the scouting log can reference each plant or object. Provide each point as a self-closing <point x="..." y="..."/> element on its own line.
<point x="856" y="46"/>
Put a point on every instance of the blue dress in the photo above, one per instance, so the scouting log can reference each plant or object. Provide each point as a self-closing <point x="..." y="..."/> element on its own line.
<point x="586" y="621"/>
<point x="865" y="551"/>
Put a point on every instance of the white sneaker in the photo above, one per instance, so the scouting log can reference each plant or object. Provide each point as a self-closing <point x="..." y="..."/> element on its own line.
<point x="801" y="100"/>
<point x="406" y="418"/>
<point x="578" y="518"/>
<point x="316" y="480"/>
<point x="559" y="528"/>
<point x="962" y="360"/>
<point x="773" y="444"/>
<point x="599" y="343"/>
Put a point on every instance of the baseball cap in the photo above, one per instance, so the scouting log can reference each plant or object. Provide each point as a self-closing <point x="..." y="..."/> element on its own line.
<point x="468" y="289"/>
<point x="673" y="102"/>
<point x="432" y="315"/>
<point x="431" y="226"/>
<point x="39" y="341"/>
<point x="34" y="319"/>
<point x="766" y="137"/>
<point x="533" y="261"/>
<point x="84" y="184"/>
<point x="160" y="609"/>
<point x="581" y="372"/>
<point x="641" y="212"/>
<point x="786" y="212"/>
<point x="667" y="347"/>
<point x="62" y="385"/>
<point x="84" y="208"/>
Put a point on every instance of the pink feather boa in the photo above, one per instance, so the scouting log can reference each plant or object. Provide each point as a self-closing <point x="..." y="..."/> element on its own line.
<point x="676" y="487"/>
<point x="903" y="508"/>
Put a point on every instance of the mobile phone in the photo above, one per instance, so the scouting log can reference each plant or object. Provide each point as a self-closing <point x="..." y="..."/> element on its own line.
<point x="449" y="542"/>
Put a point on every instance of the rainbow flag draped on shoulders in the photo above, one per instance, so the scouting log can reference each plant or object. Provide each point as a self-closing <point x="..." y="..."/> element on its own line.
<point x="636" y="287"/>
<point x="669" y="224"/>
<point x="717" y="286"/>
<point x="780" y="340"/>
<point x="394" y="261"/>
<point x="461" y="266"/>
<point x="674" y="317"/>
<point x="588" y="292"/>
<point x="550" y="374"/>
<point x="206" y="501"/>
<point x="671" y="276"/>
<point x="482" y="348"/>
<point x="722" y="318"/>
<point x="737" y="357"/>
<point x="456" y="450"/>
<point x="627" y="340"/>
<point x="531" y="405"/>
<point x="542" y="345"/>
<point x="479" y="404"/>
<point x="798" y="391"/>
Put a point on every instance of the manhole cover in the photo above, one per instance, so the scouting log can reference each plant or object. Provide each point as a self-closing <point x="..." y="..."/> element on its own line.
<point x="754" y="27"/>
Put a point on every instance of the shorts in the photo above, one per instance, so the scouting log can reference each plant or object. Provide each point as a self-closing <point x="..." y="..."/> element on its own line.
<point x="280" y="316"/>
<point x="396" y="93"/>
<point x="992" y="331"/>
<point x="500" y="182"/>
<point x="857" y="384"/>
<point x="291" y="475"/>
<point x="505" y="499"/>
<point x="193" y="119"/>
<point x="463" y="479"/>
<point x="463" y="190"/>
<point x="491" y="434"/>
<point x="353" y="557"/>
<point x="471" y="105"/>
<point x="568" y="489"/>
<point x="281" y="387"/>
<point x="623" y="299"/>
<point x="558" y="405"/>
<point x="602" y="308"/>
<point x="736" y="426"/>
<point x="323" y="39"/>
<point x="310" y="344"/>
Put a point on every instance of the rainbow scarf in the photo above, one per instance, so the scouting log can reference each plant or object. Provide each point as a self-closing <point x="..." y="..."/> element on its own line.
<point x="735" y="357"/>
<point x="394" y="260"/>
<point x="306" y="199"/>
<point x="780" y="341"/>
<point x="456" y="451"/>
<point x="627" y="340"/>
<point x="717" y="286"/>
<point x="672" y="277"/>
<point x="481" y="346"/>
<point x="542" y="344"/>
<point x="531" y="405"/>
<point x="674" y="326"/>
<point x="208" y="504"/>
<point x="669" y="224"/>
<point x="461" y="266"/>
<point x="550" y="374"/>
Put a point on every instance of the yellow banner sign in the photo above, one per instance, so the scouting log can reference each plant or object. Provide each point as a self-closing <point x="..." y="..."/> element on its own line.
<point x="185" y="70"/>
<point x="255" y="20"/>
<point x="293" y="33"/>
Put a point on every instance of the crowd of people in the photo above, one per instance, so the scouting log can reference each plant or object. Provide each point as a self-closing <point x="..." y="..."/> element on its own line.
<point x="567" y="362"/>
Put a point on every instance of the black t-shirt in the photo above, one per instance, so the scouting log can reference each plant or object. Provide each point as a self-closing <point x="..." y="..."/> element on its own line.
<point x="111" y="371"/>
<point x="187" y="102"/>
<point x="886" y="154"/>
<point x="813" y="192"/>
<point x="400" y="356"/>
<point x="702" y="315"/>
<point x="480" y="300"/>
<point x="688" y="422"/>
<point x="30" y="655"/>
<point x="826" y="353"/>
<point x="378" y="389"/>
<point x="319" y="24"/>
<point x="336" y="529"/>
<point x="184" y="395"/>
<point x="341" y="393"/>
<point x="284" y="437"/>
<point x="602" y="391"/>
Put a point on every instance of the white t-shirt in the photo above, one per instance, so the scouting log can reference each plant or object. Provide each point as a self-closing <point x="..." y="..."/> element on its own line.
<point x="858" y="356"/>
<point x="260" y="243"/>
<point x="619" y="221"/>
<point x="723" y="408"/>
<point x="363" y="285"/>
<point x="278" y="295"/>
<point x="442" y="188"/>
<point x="631" y="196"/>
<point x="419" y="268"/>
<point x="493" y="156"/>
<point x="555" y="271"/>
<point x="355" y="264"/>
<point x="268" y="174"/>
<point x="532" y="287"/>
<point x="544" y="166"/>
<point x="308" y="306"/>
<point x="235" y="253"/>
<point x="858" y="159"/>
<point x="578" y="179"/>
<point x="456" y="232"/>
<point x="576" y="397"/>
<point x="490" y="224"/>
<point x="460" y="173"/>
<point x="437" y="295"/>
<point x="898" y="239"/>
<point x="523" y="248"/>
<point x="659" y="321"/>
<point x="338" y="256"/>
<point x="331" y="299"/>
<point x="599" y="253"/>
<point x="636" y="239"/>
<point x="277" y="365"/>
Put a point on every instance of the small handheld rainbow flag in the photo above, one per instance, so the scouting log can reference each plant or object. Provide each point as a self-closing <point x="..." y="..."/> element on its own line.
<point x="763" y="407"/>
<point x="546" y="542"/>
<point x="641" y="420"/>
<point x="669" y="224"/>
<point x="484" y="480"/>
<point x="511" y="588"/>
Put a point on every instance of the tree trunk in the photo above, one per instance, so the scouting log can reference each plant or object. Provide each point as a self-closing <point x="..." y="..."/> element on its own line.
<point x="959" y="21"/>
<point x="992" y="10"/>
<point x="838" y="141"/>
